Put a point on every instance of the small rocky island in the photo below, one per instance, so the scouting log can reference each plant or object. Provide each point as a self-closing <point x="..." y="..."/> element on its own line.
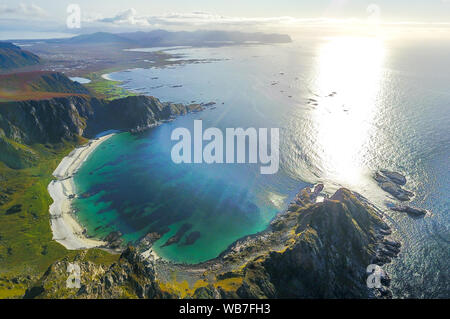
<point x="392" y="182"/>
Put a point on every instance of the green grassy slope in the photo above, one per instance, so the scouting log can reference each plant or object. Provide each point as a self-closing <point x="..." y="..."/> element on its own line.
<point x="105" y="89"/>
<point x="38" y="85"/>
<point x="26" y="245"/>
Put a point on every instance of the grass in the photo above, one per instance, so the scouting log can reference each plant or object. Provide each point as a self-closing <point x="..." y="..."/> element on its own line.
<point x="36" y="85"/>
<point x="26" y="245"/>
<point x="181" y="289"/>
<point x="229" y="284"/>
<point x="106" y="89"/>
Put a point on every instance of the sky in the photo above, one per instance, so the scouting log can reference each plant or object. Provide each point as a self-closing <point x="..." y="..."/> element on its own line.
<point x="261" y="15"/>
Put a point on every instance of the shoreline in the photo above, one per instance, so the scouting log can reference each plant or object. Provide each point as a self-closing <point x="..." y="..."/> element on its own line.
<point x="65" y="227"/>
<point x="107" y="78"/>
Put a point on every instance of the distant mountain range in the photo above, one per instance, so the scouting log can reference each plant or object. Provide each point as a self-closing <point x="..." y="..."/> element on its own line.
<point x="167" y="38"/>
<point x="12" y="56"/>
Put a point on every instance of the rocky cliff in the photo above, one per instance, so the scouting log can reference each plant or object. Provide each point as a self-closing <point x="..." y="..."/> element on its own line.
<point x="314" y="250"/>
<point x="333" y="242"/>
<point x="64" y="119"/>
<point x="130" y="277"/>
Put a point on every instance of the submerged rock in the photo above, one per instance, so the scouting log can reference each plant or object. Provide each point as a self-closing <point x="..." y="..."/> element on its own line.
<point x="177" y="237"/>
<point x="191" y="238"/>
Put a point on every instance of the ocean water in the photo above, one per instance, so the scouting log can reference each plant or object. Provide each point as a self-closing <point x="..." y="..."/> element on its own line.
<point x="345" y="107"/>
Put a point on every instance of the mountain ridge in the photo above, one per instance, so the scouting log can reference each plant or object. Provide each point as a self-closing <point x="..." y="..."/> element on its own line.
<point x="12" y="56"/>
<point x="174" y="38"/>
<point x="61" y="119"/>
<point x="38" y="85"/>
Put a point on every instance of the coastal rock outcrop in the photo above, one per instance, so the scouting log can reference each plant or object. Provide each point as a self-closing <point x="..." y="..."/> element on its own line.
<point x="56" y="119"/>
<point x="305" y="197"/>
<point x="396" y="177"/>
<point x="391" y="183"/>
<point x="414" y="211"/>
<point x="397" y="191"/>
<point x="130" y="277"/>
<point x="67" y="118"/>
<point x="114" y="239"/>
<point x="333" y="243"/>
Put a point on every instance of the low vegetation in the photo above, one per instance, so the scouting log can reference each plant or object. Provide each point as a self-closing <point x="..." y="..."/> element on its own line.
<point x="26" y="245"/>
<point x="106" y="89"/>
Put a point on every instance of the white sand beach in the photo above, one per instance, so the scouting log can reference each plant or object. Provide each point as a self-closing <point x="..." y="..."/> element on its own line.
<point x="66" y="230"/>
<point x="106" y="77"/>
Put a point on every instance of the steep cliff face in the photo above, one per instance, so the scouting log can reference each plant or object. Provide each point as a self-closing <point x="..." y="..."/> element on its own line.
<point x="334" y="243"/>
<point x="134" y="113"/>
<point x="58" y="119"/>
<point x="46" y="121"/>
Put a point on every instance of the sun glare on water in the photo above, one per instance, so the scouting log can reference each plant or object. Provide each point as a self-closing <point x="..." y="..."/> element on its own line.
<point x="349" y="72"/>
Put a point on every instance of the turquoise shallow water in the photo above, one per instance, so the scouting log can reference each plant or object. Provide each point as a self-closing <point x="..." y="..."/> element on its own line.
<point x="132" y="186"/>
<point x="390" y="110"/>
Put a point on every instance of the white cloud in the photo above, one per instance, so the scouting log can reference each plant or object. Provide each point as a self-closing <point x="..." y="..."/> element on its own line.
<point x="196" y="20"/>
<point x="203" y="19"/>
<point x="91" y="17"/>
<point x="23" y="9"/>
<point x="129" y="17"/>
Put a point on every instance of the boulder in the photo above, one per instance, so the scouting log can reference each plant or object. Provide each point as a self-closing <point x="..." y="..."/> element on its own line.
<point x="396" y="177"/>
<point x="418" y="212"/>
<point x="396" y="191"/>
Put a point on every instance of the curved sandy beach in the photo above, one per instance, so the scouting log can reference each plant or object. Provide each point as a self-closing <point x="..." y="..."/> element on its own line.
<point x="66" y="229"/>
<point x="106" y="77"/>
